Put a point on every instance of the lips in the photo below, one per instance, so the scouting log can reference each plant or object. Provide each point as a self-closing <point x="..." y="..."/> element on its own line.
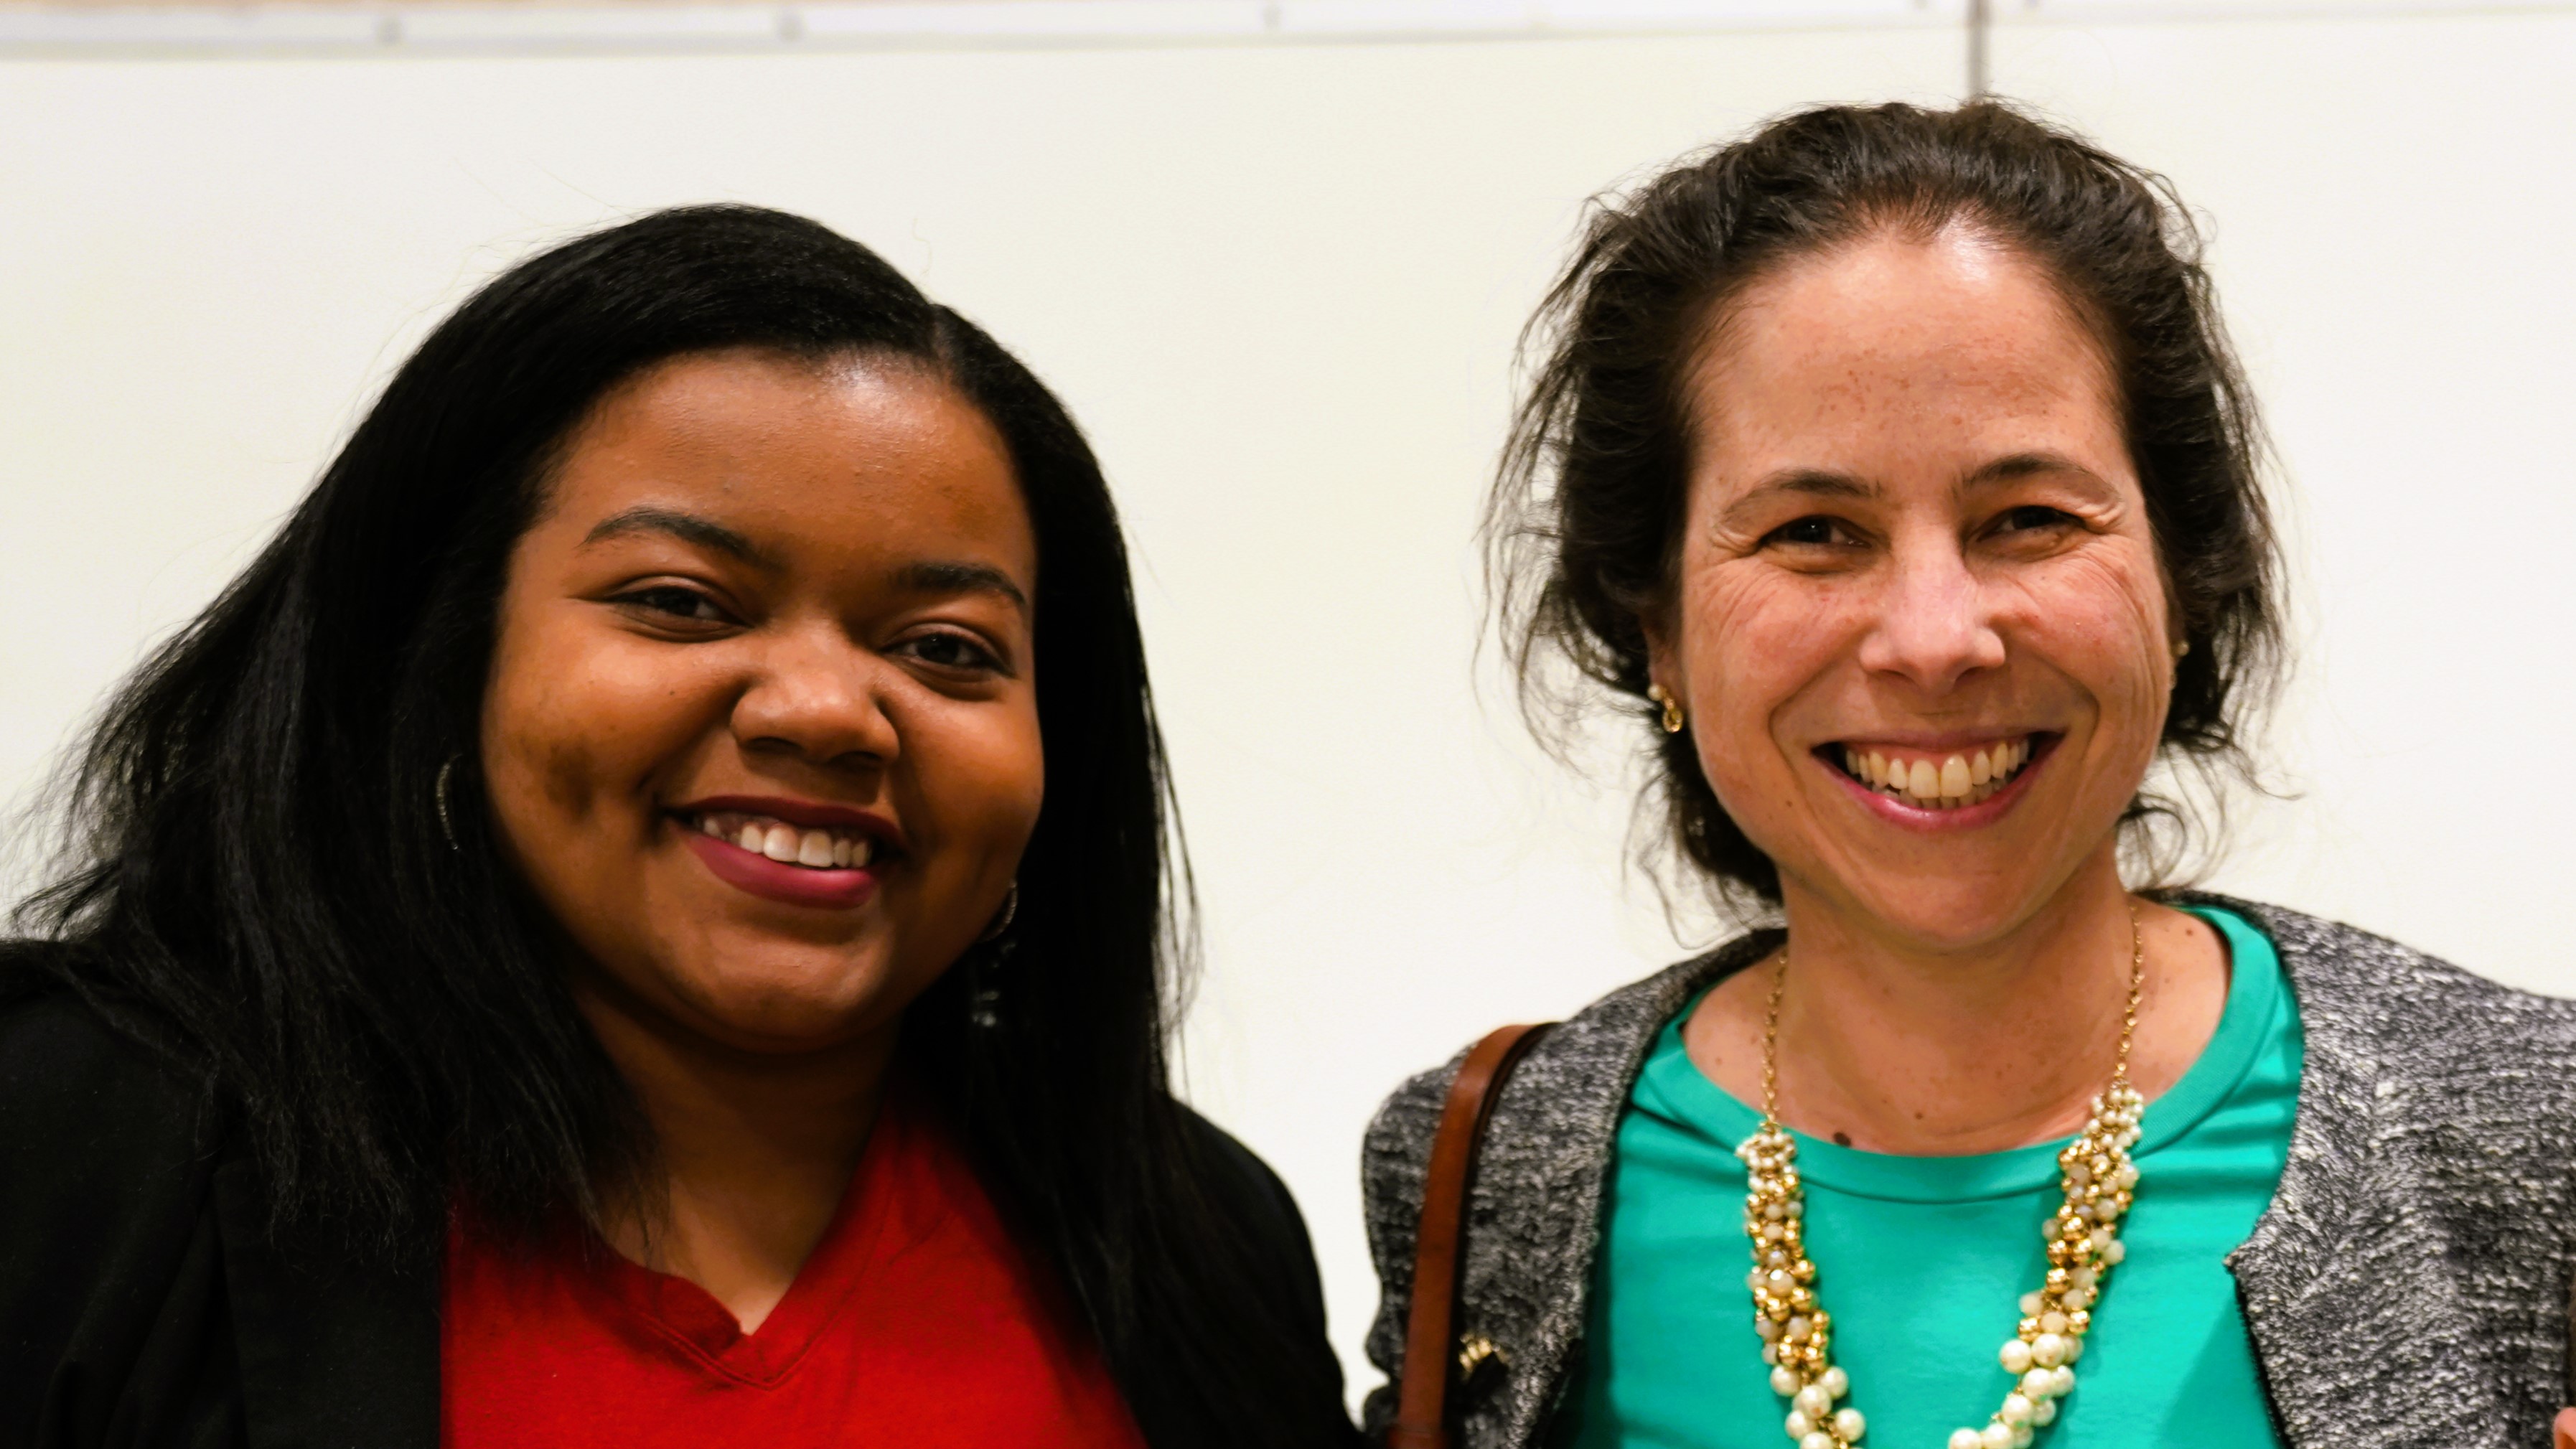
<point x="793" y="852"/>
<point x="795" y="885"/>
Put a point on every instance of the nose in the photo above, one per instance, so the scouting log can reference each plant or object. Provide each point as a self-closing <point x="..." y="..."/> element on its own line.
<point x="1934" y="621"/>
<point x="819" y="697"/>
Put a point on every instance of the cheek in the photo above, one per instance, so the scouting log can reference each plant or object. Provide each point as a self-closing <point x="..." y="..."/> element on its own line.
<point x="1754" y="639"/>
<point x="2100" y="618"/>
<point x="1026" y="793"/>
<point x="981" y="772"/>
<point x="574" y="725"/>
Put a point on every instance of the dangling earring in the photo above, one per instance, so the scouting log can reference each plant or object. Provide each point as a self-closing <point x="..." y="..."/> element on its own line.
<point x="984" y="1000"/>
<point x="446" y="818"/>
<point x="1672" y="707"/>
<point x="983" y="1004"/>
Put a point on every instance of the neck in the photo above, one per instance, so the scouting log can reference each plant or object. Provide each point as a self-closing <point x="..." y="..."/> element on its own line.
<point x="1897" y="1046"/>
<point x="754" y="1150"/>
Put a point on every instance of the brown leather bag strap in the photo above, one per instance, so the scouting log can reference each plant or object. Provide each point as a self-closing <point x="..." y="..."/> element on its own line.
<point x="1421" y="1413"/>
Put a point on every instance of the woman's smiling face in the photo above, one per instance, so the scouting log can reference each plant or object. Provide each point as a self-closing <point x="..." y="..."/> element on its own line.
<point x="761" y="726"/>
<point x="1919" y="625"/>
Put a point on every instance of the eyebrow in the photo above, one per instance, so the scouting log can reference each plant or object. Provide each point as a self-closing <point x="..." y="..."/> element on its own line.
<point x="937" y="576"/>
<point x="1806" y="482"/>
<point x="1825" y="483"/>
<point x="687" y="527"/>
<point x="2023" y="465"/>
<point x="947" y="577"/>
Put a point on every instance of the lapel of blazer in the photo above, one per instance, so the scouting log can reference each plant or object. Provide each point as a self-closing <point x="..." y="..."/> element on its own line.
<point x="333" y="1355"/>
<point x="1534" y="1214"/>
<point x="2320" y="1286"/>
<point x="2293" y="1248"/>
<point x="2403" y="1287"/>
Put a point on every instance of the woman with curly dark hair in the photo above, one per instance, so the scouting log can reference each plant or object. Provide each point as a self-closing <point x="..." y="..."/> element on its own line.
<point x="645" y="917"/>
<point x="1889" y="466"/>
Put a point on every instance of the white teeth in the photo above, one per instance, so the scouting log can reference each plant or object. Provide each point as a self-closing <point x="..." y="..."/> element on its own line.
<point x="1951" y="783"/>
<point x="814" y="849"/>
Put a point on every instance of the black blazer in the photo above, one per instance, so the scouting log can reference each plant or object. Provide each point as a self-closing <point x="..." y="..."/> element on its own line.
<point x="143" y="1302"/>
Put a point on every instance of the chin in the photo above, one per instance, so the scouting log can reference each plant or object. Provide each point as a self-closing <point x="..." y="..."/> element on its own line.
<point x="788" y="1002"/>
<point x="1952" y="914"/>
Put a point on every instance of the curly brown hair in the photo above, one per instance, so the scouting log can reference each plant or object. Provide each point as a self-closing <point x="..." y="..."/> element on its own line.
<point x="1583" y="527"/>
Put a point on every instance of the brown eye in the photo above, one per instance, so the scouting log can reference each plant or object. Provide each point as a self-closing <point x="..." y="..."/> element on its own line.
<point x="1814" y="531"/>
<point x="675" y="602"/>
<point x="952" y="651"/>
<point x="2032" y="516"/>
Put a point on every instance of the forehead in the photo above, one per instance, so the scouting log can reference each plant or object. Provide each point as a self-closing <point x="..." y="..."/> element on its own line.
<point x="840" y="455"/>
<point x="1947" y="342"/>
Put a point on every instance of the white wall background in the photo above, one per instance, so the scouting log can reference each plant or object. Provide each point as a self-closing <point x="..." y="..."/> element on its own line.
<point x="1280" y="284"/>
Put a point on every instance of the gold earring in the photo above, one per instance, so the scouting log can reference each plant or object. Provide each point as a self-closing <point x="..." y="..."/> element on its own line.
<point x="2181" y="647"/>
<point x="1672" y="707"/>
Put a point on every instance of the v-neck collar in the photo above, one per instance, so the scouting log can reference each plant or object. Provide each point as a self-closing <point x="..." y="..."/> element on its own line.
<point x="867" y="1227"/>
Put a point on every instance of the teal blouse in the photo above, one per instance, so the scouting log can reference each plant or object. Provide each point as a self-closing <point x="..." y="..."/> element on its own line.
<point x="1923" y="1262"/>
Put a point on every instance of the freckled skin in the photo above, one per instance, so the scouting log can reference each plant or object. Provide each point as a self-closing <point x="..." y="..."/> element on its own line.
<point x="1928" y="610"/>
<point x="1977" y="564"/>
<point x="809" y="682"/>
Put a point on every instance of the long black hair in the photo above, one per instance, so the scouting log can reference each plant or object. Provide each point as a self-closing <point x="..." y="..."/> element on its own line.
<point x="263" y="884"/>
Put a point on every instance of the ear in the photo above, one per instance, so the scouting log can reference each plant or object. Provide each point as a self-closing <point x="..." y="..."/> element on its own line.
<point x="1663" y="649"/>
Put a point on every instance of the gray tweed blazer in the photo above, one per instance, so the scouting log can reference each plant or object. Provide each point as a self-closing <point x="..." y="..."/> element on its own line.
<point x="2408" y="1286"/>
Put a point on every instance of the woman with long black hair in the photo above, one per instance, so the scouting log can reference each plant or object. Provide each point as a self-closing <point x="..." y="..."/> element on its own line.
<point x="644" y="916"/>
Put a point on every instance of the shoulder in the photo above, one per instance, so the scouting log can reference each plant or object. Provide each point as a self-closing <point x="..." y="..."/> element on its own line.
<point x="1261" y="1217"/>
<point x="2414" y="1014"/>
<point x="1539" y="1171"/>
<point x="1247" y="1186"/>
<point x="2426" y="1088"/>
<point x="107" y="1156"/>
<point x="81" y="1095"/>
<point x="1552" y="1125"/>
<point x="1601" y="1047"/>
<point x="1273" y="1296"/>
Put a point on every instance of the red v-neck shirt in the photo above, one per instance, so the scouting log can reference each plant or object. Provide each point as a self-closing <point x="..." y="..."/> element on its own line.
<point x="917" y="1321"/>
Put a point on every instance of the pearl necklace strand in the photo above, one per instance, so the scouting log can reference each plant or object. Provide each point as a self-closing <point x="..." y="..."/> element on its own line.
<point x="2098" y="1181"/>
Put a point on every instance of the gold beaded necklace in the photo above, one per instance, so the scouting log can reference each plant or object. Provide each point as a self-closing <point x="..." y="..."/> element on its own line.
<point x="2098" y="1181"/>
